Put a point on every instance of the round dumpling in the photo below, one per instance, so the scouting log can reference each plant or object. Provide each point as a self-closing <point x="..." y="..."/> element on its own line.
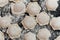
<point x="14" y="31"/>
<point x="55" y="23"/>
<point x="18" y="8"/>
<point x="3" y="3"/>
<point x="29" y="22"/>
<point x="52" y="5"/>
<point x="33" y="8"/>
<point x="29" y="36"/>
<point x="43" y="18"/>
<point x="5" y="21"/>
<point x="43" y="34"/>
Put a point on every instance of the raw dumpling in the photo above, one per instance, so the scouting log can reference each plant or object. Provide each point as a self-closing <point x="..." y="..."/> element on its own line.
<point x="30" y="36"/>
<point x="55" y="23"/>
<point x="14" y="31"/>
<point x="3" y="3"/>
<point x="43" y="18"/>
<point x="58" y="38"/>
<point x="18" y="8"/>
<point x="43" y="34"/>
<point x="52" y="5"/>
<point x="29" y="22"/>
<point x="1" y="36"/>
<point x="5" y="21"/>
<point x="33" y="8"/>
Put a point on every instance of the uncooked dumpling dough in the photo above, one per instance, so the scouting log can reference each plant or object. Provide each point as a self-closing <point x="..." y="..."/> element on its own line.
<point x="43" y="18"/>
<point x="18" y="8"/>
<point x="14" y="31"/>
<point x="29" y="36"/>
<point x="43" y="34"/>
<point x="55" y="23"/>
<point x="29" y="22"/>
<point x="3" y="3"/>
<point x="33" y="8"/>
<point x="52" y="5"/>
<point x="5" y="21"/>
